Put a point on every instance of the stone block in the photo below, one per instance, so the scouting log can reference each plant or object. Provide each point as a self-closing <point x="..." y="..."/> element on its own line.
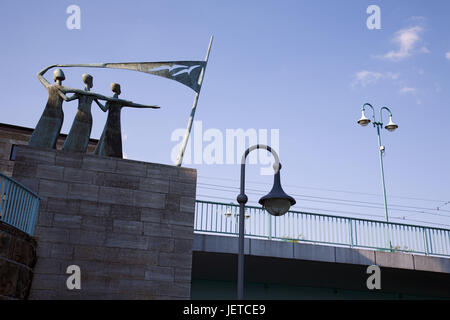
<point x="187" y="204"/>
<point x="69" y="159"/>
<point x="182" y="274"/>
<point x="158" y="230"/>
<point x="93" y="208"/>
<point x="54" y="189"/>
<point x="62" y="250"/>
<point x="50" y="172"/>
<point x="314" y="252"/>
<point x="80" y="191"/>
<point x="23" y="169"/>
<point x="126" y="241"/>
<point x="182" y="188"/>
<point x="154" y="185"/>
<point x="159" y="273"/>
<point x="131" y="168"/>
<point x="115" y="196"/>
<point x="66" y="221"/>
<point x="160" y="244"/>
<point x="115" y="180"/>
<point x="279" y="249"/>
<point x="78" y="175"/>
<point x="126" y="226"/>
<point x="183" y="246"/>
<point x="152" y="215"/>
<point x="99" y="164"/>
<point x="433" y="264"/>
<point x="158" y="171"/>
<point x="149" y="200"/>
<point x="65" y="206"/>
<point x="30" y="155"/>
<point x="98" y="224"/>
<point x="394" y="260"/>
<point x="175" y="259"/>
<point x="124" y="212"/>
<point x="355" y="256"/>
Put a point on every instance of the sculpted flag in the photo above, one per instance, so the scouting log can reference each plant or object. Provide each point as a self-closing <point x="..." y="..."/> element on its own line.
<point x="185" y="72"/>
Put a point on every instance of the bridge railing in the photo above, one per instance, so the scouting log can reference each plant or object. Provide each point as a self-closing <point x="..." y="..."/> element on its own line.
<point x="19" y="206"/>
<point x="295" y="226"/>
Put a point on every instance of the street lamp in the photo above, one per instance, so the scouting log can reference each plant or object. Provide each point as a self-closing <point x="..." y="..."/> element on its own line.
<point x="391" y="126"/>
<point x="276" y="202"/>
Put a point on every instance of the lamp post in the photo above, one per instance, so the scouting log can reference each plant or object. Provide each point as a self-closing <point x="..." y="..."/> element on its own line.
<point x="276" y="202"/>
<point x="391" y="126"/>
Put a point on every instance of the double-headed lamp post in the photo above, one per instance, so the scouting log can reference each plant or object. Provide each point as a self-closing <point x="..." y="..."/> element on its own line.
<point x="276" y="202"/>
<point x="391" y="126"/>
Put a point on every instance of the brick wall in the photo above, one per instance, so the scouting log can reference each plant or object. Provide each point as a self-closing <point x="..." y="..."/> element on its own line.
<point x="17" y="259"/>
<point x="128" y="225"/>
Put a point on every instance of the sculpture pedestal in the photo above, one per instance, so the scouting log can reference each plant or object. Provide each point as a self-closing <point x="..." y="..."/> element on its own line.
<point x="127" y="225"/>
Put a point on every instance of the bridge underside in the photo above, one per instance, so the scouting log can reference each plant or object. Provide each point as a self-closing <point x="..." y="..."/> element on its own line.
<point x="282" y="270"/>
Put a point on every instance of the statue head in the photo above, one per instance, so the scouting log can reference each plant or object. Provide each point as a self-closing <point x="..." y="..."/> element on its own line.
<point x="115" y="87"/>
<point x="88" y="80"/>
<point x="58" y="74"/>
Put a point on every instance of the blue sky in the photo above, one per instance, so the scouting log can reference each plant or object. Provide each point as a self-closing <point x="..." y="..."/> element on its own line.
<point x="302" y="67"/>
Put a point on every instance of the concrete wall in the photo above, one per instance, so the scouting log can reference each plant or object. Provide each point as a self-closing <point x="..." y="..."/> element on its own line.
<point x="128" y="225"/>
<point x="17" y="259"/>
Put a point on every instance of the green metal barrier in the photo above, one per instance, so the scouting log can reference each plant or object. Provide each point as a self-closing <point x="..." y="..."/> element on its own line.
<point x="19" y="206"/>
<point x="295" y="226"/>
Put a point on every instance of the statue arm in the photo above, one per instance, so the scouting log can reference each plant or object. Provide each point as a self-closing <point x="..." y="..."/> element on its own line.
<point x="66" y="98"/>
<point x="103" y="107"/>
<point x="136" y="105"/>
<point x="41" y="78"/>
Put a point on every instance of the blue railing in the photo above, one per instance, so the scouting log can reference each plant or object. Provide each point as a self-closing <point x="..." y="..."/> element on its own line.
<point x="294" y="226"/>
<point x="19" y="206"/>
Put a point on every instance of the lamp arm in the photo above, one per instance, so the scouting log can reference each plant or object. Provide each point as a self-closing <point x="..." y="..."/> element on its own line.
<point x="381" y="113"/>
<point x="373" y="111"/>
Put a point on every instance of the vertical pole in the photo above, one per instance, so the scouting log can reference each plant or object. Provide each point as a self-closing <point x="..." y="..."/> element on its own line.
<point x="383" y="184"/>
<point x="242" y="199"/>
<point x="194" y="107"/>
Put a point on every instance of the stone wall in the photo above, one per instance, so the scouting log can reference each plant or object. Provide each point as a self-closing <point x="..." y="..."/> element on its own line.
<point x="11" y="135"/>
<point x="17" y="259"/>
<point x="128" y="225"/>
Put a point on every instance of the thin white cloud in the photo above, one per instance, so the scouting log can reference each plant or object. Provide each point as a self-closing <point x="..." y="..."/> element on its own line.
<point x="407" y="90"/>
<point x="365" y="77"/>
<point x="447" y="55"/>
<point x="406" y="40"/>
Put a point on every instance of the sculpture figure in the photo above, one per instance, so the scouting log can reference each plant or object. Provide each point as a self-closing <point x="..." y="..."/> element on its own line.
<point x="49" y="126"/>
<point x="78" y="138"/>
<point x="110" y="143"/>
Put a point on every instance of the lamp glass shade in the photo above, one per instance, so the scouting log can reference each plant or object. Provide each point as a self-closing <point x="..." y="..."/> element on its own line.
<point x="391" y="126"/>
<point x="277" y="202"/>
<point x="277" y="206"/>
<point x="364" y="121"/>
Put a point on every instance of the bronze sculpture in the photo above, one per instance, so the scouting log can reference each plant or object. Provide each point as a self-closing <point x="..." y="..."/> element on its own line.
<point x="110" y="143"/>
<point x="80" y="132"/>
<point x="49" y="126"/>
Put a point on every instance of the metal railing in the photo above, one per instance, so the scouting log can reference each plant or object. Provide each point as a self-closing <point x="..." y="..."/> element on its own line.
<point x="19" y="206"/>
<point x="294" y="226"/>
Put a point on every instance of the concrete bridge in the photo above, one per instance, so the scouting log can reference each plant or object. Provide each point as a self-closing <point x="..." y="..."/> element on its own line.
<point x="291" y="270"/>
